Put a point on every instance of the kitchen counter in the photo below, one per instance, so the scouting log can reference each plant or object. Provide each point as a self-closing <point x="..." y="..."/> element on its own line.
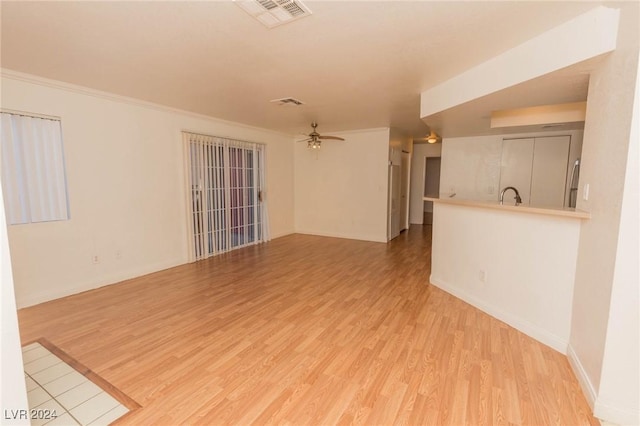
<point x="566" y="212"/>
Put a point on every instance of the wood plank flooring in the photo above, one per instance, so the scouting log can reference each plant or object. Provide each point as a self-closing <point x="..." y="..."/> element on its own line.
<point x="312" y="331"/>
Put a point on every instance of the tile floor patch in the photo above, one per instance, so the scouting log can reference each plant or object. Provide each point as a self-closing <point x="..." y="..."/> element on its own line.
<point x="40" y="364"/>
<point x="110" y="416"/>
<point x="31" y="384"/>
<point x="34" y="354"/>
<point x="64" y="383"/>
<point x="76" y="396"/>
<point x="47" y="411"/>
<point x="60" y="395"/>
<point x="63" y="420"/>
<point x="31" y="346"/>
<point x="94" y="408"/>
<point x="37" y="397"/>
<point x="51" y="373"/>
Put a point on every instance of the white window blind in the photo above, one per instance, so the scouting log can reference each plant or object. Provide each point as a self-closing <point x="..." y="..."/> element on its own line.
<point x="226" y="194"/>
<point x="33" y="171"/>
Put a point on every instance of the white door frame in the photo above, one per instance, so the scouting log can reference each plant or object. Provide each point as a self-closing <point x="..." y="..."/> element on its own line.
<point x="406" y="162"/>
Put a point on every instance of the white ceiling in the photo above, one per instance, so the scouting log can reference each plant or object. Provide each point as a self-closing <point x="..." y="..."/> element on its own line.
<point x="356" y="65"/>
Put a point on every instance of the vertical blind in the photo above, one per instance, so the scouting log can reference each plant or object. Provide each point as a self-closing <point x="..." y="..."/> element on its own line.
<point x="226" y="194"/>
<point x="33" y="172"/>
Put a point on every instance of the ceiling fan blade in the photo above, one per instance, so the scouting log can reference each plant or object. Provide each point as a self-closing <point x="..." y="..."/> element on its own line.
<point x="331" y="137"/>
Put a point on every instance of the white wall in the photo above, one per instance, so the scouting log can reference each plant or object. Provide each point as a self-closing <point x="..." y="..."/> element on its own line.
<point x="13" y="393"/>
<point x="601" y="294"/>
<point x="126" y="188"/>
<point x="341" y="189"/>
<point x="586" y="36"/>
<point x="398" y="141"/>
<point x="420" y="152"/>
<point x="622" y="351"/>
<point x="528" y="261"/>
<point x="471" y="165"/>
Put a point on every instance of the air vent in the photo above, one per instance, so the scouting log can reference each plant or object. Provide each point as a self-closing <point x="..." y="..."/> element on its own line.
<point x="288" y="101"/>
<point x="267" y="4"/>
<point x="273" y="13"/>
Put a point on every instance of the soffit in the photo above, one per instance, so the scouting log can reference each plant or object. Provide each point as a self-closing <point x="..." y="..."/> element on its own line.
<point x="355" y="64"/>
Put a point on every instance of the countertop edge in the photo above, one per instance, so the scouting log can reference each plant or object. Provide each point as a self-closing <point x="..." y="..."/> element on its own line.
<point x="575" y="214"/>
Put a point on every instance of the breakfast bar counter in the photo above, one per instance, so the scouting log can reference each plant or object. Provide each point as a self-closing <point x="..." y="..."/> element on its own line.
<point x="566" y="212"/>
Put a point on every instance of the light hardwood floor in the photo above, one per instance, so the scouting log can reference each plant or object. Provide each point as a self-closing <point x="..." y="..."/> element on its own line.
<point x="312" y="331"/>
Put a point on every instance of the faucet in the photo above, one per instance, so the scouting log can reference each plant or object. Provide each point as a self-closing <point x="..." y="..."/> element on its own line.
<point x="517" y="197"/>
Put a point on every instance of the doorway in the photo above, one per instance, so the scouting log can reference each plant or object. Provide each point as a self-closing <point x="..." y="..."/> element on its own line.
<point x="431" y="186"/>
<point x="225" y="184"/>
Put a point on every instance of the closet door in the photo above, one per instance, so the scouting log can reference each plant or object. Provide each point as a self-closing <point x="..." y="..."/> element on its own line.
<point x="549" y="172"/>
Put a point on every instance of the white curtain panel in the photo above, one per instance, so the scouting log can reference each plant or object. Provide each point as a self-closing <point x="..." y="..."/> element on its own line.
<point x="33" y="170"/>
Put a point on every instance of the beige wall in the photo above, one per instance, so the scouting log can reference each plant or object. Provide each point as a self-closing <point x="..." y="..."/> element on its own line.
<point x="605" y="163"/>
<point x="622" y="352"/>
<point x="341" y="189"/>
<point x="126" y="187"/>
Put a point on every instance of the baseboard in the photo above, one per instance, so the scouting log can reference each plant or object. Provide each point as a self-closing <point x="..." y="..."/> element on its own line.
<point x="281" y="234"/>
<point x="531" y="330"/>
<point x="611" y="414"/>
<point x="35" y="299"/>
<point x="602" y="409"/>
<point x="585" y="383"/>
<point x="339" y="235"/>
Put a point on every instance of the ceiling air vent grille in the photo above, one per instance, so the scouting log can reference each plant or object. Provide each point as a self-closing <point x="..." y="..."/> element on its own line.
<point x="267" y="4"/>
<point x="292" y="7"/>
<point x="274" y="12"/>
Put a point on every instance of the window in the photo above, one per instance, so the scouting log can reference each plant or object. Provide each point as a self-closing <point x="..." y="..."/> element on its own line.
<point x="225" y="186"/>
<point x="33" y="173"/>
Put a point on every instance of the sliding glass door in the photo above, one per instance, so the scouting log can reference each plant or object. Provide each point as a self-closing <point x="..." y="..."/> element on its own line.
<point x="226" y="182"/>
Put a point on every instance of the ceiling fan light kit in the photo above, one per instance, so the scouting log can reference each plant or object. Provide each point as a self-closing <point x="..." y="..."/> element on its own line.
<point x="433" y="137"/>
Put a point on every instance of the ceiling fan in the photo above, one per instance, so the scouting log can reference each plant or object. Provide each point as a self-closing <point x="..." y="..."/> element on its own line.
<point x="315" y="139"/>
<point x="433" y="137"/>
